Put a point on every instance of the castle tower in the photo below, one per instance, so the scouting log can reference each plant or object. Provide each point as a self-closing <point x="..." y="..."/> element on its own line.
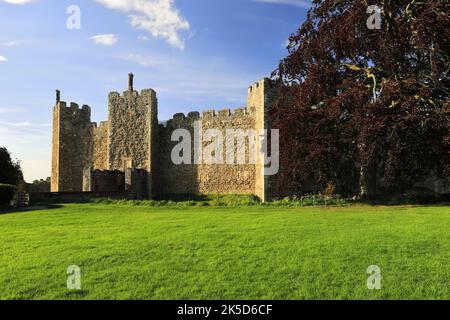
<point x="132" y="130"/>
<point x="71" y="145"/>
<point x="261" y="96"/>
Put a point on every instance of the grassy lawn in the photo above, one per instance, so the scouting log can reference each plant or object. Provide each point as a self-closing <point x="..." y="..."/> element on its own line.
<point x="139" y="252"/>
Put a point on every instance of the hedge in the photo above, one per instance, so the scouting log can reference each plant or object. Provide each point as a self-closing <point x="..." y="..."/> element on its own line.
<point x="6" y="193"/>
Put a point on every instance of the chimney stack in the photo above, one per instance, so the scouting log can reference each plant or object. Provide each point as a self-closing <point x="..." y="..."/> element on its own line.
<point x="130" y="81"/>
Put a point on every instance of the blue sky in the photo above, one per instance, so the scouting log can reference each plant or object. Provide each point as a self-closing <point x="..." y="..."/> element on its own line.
<point x="197" y="55"/>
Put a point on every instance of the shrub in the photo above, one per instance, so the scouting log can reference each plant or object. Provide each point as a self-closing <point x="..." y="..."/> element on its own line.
<point x="6" y="193"/>
<point x="232" y="200"/>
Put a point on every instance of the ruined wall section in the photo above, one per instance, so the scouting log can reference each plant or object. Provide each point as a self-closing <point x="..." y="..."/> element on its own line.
<point x="130" y="118"/>
<point x="132" y="122"/>
<point x="54" y="182"/>
<point x="150" y="99"/>
<point x="100" y="146"/>
<point x="201" y="177"/>
<point x="72" y="146"/>
<point x="104" y="181"/>
<point x="132" y="138"/>
<point x="261" y="96"/>
<point x="136" y="182"/>
<point x="229" y="178"/>
<point x="171" y="178"/>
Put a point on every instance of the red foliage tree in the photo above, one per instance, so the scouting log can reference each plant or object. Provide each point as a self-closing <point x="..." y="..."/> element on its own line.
<point x="363" y="109"/>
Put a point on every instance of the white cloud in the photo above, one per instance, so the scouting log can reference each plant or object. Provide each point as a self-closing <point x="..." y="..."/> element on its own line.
<point x="20" y="2"/>
<point x="16" y="124"/>
<point x="24" y="124"/>
<point x="3" y="59"/>
<point x="158" y="17"/>
<point x="10" y="43"/>
<point x="143" y="38"/>
<point x="105" y="39"/>
<point x="9" y="110"/>
<point x="297" y="3"/>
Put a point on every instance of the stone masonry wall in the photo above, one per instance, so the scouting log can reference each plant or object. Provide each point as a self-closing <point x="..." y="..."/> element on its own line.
<point x="132" y="138"/>
<point x="129" y="129"/>
<point x="136" y="182"/>
<point x="206" y="178"/>
<point x="100" y="146"/>
<point x="228" y="178"/>
<point x="245" y="178"/>
<point x="54" y="182"/>
<point x="261" y="95"/>
<point x="107" y="181"/>
<point x="171" y="178"/>
<point x="72" y="146"/>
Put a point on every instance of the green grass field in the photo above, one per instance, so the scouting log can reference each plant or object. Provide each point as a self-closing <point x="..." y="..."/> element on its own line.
<point x="138" y="252"/>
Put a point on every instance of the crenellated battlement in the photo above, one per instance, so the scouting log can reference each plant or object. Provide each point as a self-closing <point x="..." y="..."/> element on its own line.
<point x="263" y="84"/>
<point x="208" y="114"/>
<point x="181" y="120"/>
<point x="100" y="125"/>
<point x="135" y="93"/>
<point x="73" y="110"/>
<point x="72" y="105"/>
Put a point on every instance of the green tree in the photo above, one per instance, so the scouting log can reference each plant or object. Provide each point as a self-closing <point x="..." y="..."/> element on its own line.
<point x="10" y="170"/>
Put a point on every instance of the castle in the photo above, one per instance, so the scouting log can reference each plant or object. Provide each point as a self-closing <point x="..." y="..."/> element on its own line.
<point x="131" y="152"/>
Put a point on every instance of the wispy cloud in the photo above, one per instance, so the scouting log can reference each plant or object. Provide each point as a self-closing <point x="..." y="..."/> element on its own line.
<point x="297" y="3"/>
<point x="19" y="2"/>
<point x="10" y="43"/>
<point x="24" y="124"/>
<point x="105" y="39"/>
<point x="159" y="18"/>
<point x="143" y="38"/>
<point x="3" y="59"/>
<point x="9" y="110"/>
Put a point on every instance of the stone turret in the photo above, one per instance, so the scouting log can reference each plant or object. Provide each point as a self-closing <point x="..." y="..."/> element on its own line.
<point x="132" y="129"/>
<point x="71" y="145"/>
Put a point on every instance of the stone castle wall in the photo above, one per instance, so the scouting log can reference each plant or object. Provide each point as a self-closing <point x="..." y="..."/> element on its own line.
<point x="171" y="178"/>
<point x="136" y="182"/>
<point x="129" y="129"/>
<point x="200" y="177"/>
<point x="100" y="146"/>
<point x="245" y="178"/>
<point x="229" y="178"/>
<point x="72" y="146"/>
<point x="132" y="139"/>
<point x="261" y="95"/>
<point x="103" y="181"/>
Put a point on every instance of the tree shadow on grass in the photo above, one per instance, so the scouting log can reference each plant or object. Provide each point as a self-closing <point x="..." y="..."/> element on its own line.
<point x="37" y="207"/>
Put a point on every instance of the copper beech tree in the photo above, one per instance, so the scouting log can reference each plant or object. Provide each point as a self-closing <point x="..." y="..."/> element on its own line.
<point x="365" y="110"/>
